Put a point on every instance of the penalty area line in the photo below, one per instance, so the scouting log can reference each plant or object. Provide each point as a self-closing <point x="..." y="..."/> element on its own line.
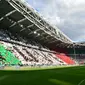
<point x="81" y="82"/>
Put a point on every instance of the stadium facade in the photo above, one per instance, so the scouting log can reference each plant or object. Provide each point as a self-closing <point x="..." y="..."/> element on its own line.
<point x="27" y="39"/>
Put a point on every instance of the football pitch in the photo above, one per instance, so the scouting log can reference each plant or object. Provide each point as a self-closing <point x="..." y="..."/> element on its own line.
<point x="42" y="76"/>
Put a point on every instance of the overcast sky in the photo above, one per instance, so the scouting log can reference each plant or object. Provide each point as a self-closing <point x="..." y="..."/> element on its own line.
<point x="67" y="15"/>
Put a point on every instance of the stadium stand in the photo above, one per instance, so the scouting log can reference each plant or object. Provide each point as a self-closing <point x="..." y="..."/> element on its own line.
<point x="79" y="55"/>
<point x="26" y="38"/>
<point x="8" y="56"/>
<point x="66" y="58"/>
<point x="21" y="54"/>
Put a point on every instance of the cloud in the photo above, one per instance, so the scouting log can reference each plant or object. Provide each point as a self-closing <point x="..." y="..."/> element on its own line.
<point x="67" y="15"/>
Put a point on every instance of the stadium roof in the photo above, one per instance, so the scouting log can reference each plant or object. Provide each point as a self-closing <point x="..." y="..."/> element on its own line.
<point x="18" y="18"/>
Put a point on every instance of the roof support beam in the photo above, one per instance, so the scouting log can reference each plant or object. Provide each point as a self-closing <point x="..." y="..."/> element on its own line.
<point x="27" y="27"/>
<point x="42" y="37"/>
<point x="10" y="13"/>
<point x="21" y="20"/>
<point x="39" y="35"/>
<point x="23" y="9"/>
<point x="29" y="17"/>
<point x="18" y="22"/>
<point x="34" y="31"/>
<point x="47" y="40"/>
<point x="52" y="41"/>
<point x="7" y="14"/>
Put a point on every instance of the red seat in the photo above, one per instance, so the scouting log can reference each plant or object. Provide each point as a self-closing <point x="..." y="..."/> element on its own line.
<point x="65" y="58"/>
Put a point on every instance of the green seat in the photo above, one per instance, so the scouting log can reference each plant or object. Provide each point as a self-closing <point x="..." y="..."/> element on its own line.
<point x="10" y="58"/>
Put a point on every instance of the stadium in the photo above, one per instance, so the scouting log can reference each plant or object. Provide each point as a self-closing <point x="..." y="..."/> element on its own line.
<point x="33" y="52"/>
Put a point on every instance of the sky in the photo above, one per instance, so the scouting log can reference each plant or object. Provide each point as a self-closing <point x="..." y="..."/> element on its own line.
<point x="67" y="15"/>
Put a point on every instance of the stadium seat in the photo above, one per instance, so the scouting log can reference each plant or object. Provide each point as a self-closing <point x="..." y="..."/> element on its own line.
<point x="65" y="58"/>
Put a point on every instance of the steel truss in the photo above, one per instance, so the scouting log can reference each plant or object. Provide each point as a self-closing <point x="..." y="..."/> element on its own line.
<point x="32" y="16"/>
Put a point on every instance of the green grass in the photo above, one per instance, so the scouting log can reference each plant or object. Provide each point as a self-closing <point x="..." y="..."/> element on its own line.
<point x="42" y="76"/>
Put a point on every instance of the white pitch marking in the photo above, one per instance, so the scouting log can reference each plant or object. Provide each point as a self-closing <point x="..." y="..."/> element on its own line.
<point x="81" y="82"/>
<point x="3" y="77"/>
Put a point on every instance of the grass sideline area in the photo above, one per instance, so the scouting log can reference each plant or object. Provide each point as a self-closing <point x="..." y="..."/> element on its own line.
<point x="69" y="75"/>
